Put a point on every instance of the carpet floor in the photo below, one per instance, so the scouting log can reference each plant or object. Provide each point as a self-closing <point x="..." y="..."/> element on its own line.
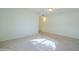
<point x="41" y="42"/>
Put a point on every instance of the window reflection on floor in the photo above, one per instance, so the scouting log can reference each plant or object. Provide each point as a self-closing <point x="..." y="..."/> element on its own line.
<point x="44" y="44"/>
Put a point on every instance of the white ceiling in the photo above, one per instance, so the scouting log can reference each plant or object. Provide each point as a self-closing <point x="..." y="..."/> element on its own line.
<point x="41" y="11"/>
<point x="44" y="11"/>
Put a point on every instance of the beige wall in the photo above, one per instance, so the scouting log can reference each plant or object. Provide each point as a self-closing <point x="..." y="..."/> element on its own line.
<point x="15" y="23"/>
<point x="65" y="23"/>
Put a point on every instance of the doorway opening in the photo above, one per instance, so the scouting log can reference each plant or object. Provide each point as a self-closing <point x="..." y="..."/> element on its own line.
<point x="42" y="23"/>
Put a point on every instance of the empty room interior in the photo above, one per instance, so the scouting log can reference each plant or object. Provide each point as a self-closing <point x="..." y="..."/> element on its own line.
<point x="39" y="29"/>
